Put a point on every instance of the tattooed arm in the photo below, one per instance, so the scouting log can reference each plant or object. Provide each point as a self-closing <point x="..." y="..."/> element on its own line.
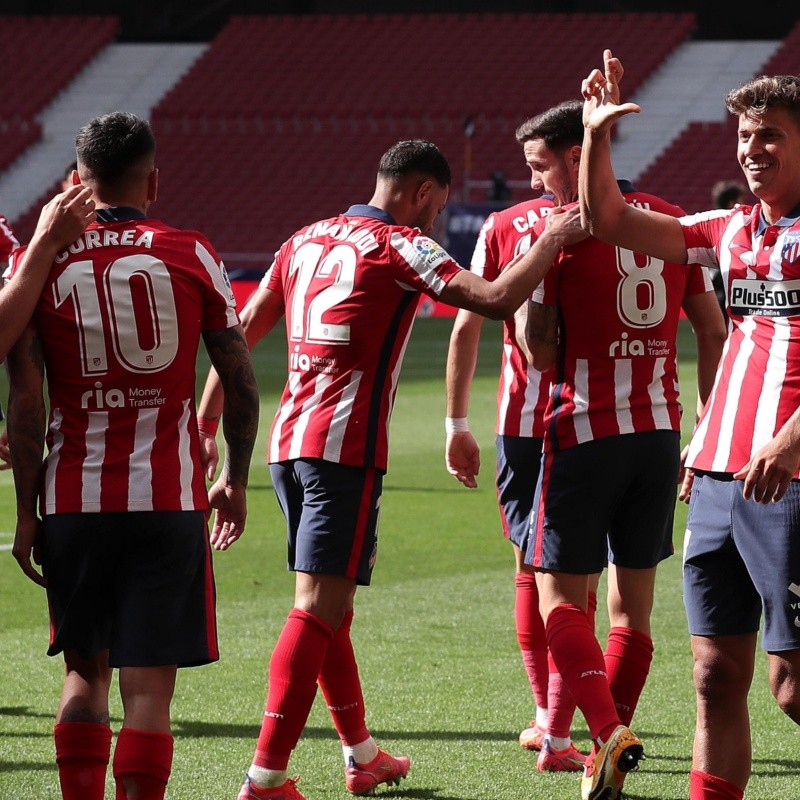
<point x="26" y="430"/>
<point x="231" y="359"/>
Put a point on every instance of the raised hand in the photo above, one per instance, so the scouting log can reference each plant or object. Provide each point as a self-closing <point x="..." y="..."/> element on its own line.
<point x="602" y="107"/>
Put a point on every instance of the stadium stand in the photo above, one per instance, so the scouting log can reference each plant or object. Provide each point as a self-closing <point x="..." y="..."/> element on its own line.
<point x="704" y="152"/>
<point x="284" y="118"/>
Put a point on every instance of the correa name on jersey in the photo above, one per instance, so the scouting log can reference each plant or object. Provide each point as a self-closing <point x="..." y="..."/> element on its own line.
<point x="91" y="239"/>
<point x="751" y="297"/>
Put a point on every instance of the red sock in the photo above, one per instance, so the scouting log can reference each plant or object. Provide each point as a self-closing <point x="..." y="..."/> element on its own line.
<point x="531" y="635"/>
<point x="629" y="654"/>
<point x="341" y="686"/>
<point x="293" y="672"/>
<point x="82" y="753"/>
<point x="579" y="659"/>
<point x="142" y="764"/>
<point x="703" y="786"/>
<point x="560" y="703"/>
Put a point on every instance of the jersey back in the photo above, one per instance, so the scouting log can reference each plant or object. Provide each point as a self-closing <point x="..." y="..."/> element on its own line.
<point x="619" y="312"/>
<point x="522" y="391"/>
<point x="350" y="285"/>
<point x="119" y="320"/>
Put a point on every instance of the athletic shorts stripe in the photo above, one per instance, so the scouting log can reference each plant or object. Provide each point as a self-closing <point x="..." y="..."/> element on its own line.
<point x="362" y="523"/>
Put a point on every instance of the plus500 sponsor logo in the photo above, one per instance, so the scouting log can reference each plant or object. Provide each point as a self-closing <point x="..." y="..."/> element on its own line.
<point x="765" y="298"/>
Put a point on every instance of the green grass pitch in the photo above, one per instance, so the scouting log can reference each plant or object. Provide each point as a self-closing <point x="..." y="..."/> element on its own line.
<point x="442" y="675"/>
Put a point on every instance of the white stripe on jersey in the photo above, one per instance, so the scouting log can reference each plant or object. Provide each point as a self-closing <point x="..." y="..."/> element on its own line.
<point x="419" y="263"/>
<point x="725" y="437"/>
<point x="284" y="411"/>
<point x="140" y="468"/>
<point x="508" y="376"/>
<point x="92" y="467"/>
<point x="623" y="386"/>
<point x="216" y="272"/>
<point x="478" y="263"/>
<point x="658" y="401"/>
<point x="396" y="376"/>
<point x="52" y="462"/>
<point x="340" y="418"/>
<point x="185" y="456"/>
<point x="529" y="400"/>
<point x="321" y="383"/>
<point x="772" y="386"/>
<point x="580" y="416"/>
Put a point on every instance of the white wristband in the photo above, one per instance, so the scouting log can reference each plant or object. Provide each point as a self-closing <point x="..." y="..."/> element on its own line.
<point x="456" y="424"/>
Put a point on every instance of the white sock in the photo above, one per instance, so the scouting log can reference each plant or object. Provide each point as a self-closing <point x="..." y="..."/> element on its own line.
<point x="541" y="718"/>
<point x="558" y="742"/>
<point x="265" y="778"/>
<point x="362" y="753"/>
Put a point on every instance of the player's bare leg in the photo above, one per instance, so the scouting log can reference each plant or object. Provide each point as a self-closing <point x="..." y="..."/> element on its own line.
<point x="784" y="681"/>
<point x="723" y="672"/>
<point x="82" y="733"/>
<point x="143" y="755"/>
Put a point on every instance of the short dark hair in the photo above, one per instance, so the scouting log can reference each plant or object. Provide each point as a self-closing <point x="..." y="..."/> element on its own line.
<point x="111" y="145"/>
<point x="725" y="194"/>
<point x="415" y="157"/>
<point x="559" y="127"/>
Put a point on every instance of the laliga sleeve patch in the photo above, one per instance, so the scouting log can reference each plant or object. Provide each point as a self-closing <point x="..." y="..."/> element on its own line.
<point x="430" y="251"/>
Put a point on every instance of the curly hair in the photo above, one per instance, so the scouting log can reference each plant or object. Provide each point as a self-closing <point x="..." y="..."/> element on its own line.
<point x="765" y="92"/>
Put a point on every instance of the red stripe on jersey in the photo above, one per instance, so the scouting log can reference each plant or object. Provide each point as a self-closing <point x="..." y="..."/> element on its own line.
<point x="619" y="313"/>
<point x="757" y="387"/>
<point x="120" y="320"/>
<point x="522" y="391"/>
<point x="350" y="285"/>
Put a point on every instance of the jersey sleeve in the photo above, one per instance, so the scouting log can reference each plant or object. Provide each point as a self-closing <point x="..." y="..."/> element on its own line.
<point x="701" y="232"/>
<point x="8" y="242"/>
<point x="422" y="263"/>
<point x="698" y="281"/>
<point x="219" y="308"/>
<point x="486" y="256"/>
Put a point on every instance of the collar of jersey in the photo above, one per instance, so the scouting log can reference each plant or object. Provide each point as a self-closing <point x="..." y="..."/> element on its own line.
<point x="783" y="222"/>
<point x="365" y="210"/>
<point x="119" y="214"/>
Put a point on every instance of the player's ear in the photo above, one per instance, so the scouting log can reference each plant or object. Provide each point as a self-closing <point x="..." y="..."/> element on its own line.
<point x="75" y="178"/>
<point x="575" y="154"/>
<point x="152" y="185"/>
<point x="423" y="190"/>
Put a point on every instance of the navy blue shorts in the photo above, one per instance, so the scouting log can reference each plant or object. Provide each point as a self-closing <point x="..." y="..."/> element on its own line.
<point x="139" y="584"/>
<point x="740" y="557"/>
<point x="518" y="461"/>
<point x="331" y="515"/>
<point x="610" y="499"/>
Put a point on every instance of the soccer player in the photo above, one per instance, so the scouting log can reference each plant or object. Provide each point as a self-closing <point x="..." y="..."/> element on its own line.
<point x="608" y="318"/>
<point x="740" y="554"/>
<point x="521" y="400"/>
<point x="349" y="287"/>
<point x="122" y="541"/>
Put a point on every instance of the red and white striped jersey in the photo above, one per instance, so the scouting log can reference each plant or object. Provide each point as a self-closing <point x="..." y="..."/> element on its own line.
<point x="619" y="312"/>
<point x="351" y="285"/>
<point x="120" y="320"/>
<point x="522" y="391"/>
<point x="757" y="386"/>
<point x="8" y="242"/>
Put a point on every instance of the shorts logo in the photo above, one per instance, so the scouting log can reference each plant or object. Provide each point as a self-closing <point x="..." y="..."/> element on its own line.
<point x="765" y="298"/>
<point x="429" y="250"/>
<point x="795" y="606"/>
